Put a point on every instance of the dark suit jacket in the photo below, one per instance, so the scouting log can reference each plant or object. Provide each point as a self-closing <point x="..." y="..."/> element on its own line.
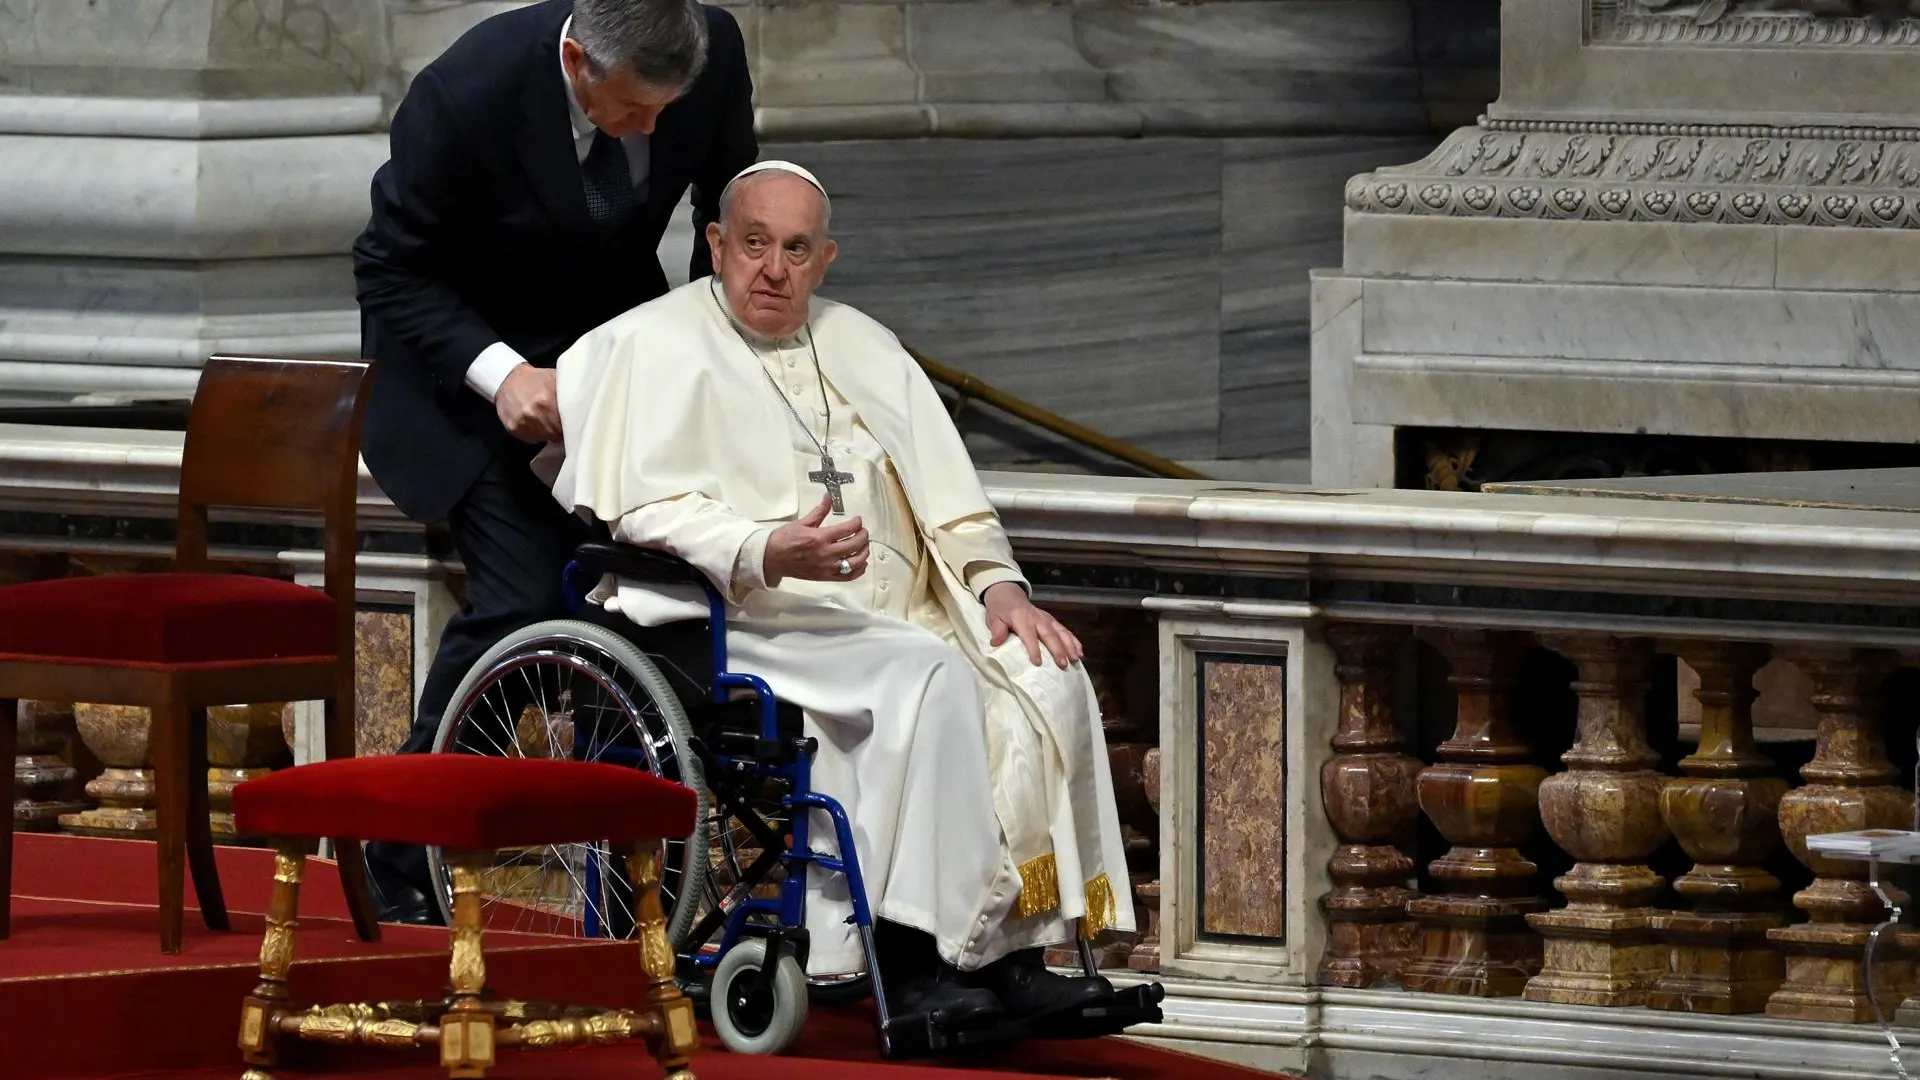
<point x="480" y="233"/>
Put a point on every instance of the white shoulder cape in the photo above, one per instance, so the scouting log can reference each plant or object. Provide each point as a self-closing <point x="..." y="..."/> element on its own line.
<point x="667" y="400"/>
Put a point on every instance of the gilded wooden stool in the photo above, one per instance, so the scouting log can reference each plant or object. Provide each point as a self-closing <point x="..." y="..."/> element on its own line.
<point x="470" y="806"/>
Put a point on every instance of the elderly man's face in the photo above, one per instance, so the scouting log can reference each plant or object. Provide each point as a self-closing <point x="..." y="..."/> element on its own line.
<point x="772" y="252"/>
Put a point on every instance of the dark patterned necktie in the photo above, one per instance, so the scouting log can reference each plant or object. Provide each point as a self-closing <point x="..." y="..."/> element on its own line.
<point x="609" y="184"/>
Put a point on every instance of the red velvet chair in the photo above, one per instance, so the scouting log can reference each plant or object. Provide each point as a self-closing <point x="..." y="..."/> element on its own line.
<point x="268" y="434"/>
<point x="470" y="806"/>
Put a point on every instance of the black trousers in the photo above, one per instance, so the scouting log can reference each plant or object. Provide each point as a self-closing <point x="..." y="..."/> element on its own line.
<point x="514" y="541"/>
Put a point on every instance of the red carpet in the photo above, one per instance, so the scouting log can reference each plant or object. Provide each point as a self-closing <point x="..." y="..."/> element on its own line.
<point x="86" y="993"/>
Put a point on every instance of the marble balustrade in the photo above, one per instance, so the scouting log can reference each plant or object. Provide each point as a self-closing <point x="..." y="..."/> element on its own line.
<point x="1520" y="781"/>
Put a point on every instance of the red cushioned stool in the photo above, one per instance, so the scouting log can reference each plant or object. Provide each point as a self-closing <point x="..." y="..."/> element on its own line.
<point x="262" y="433"/>
<point x="470" y="806"/>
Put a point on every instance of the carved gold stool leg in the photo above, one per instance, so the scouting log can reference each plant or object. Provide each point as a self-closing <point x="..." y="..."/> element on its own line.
<point x="260" y="1012"/>
<point x="673" y="1039"/>
<point x="467" y="1029"/>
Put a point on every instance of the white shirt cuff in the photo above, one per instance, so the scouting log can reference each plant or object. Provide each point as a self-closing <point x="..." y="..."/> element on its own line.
<point x="491" y="368"/>
<point x="750" y="565"/>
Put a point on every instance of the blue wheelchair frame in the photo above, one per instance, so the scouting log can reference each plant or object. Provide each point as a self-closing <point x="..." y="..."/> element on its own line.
<point x="789" y="908"/>
<point x="789" y="759"/>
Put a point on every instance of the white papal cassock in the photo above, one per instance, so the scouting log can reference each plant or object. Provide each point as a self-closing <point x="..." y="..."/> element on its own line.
<point x="977" y="782"/>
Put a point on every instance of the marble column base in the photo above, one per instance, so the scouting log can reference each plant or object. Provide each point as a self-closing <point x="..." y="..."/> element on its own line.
<point x="1146" y="952"/>
<point x="1718" y="963"/>
<point x="1826" y="971"/>
<point x="126" y="806"/>
<point x="1603" y="958"/>
<point x="41" y="784"/>
<point x="45" y="783"/>
<point x="1473" y="947"/>
<point x="1365" y="954"/>
<point x="220" y="785"/>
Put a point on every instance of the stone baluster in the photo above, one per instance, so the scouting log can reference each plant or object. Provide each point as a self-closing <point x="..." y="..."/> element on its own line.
<point x="1146" y="952"/>
<point x="1849" y="785"/>
<point x="1601" y="949"/>
<point x="1482" y="796"/>
<point x="1367" y="789"/>
<point x="1725" y="813"/>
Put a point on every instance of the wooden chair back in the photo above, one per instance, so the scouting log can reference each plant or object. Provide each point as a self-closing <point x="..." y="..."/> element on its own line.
<point x="277" y="434"/>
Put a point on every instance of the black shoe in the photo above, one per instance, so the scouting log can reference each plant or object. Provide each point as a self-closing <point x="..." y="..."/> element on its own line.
<point x="398" y="897"/>
<point x="945" y="998"/>
<point x="1027" y="990"/>
<point x="917" y="981"/>
<point x="408" y="904"/>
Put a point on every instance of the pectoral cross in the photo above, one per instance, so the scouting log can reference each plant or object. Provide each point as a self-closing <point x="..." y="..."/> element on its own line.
<point x="832" y="481"/>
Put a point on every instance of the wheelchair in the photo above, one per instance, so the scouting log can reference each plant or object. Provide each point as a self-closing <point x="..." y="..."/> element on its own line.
<point x="598" y="687"/>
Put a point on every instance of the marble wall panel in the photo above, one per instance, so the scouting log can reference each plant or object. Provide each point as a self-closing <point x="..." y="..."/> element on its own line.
<point x="990" y="51"/>
<point x="1243" y="801"/>
<point x="1080" y="274"/>
<point x="383" y="679"/>
<point x="1347" y="66"/>
<point x="834" y="54"/>
<point x="181" y="48"/>
<point x="1279" y="219"/>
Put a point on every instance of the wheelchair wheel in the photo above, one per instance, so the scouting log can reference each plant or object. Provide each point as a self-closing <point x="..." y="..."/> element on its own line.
<point x="752" y="1018"/>
<point x="569" y="689"/>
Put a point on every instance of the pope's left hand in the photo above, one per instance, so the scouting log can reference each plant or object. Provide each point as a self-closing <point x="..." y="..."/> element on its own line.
<point x="1009" y="611"/>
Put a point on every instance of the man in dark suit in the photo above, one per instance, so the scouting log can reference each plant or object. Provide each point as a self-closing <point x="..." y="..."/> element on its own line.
<point x="534" y="167"/>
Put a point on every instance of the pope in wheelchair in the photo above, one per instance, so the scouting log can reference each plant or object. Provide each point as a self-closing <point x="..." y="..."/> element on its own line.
<point x="901" y="756"/>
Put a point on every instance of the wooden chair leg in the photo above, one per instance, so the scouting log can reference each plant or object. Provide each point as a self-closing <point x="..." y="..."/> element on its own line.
<point x="168" y="741"/>
<point x="673" y="1044"/>
<point x="340" y="736"/>
<point x="466" y="1031"/>
<point x="9" y="734"/>
<point x="261" y="1009"/>
<point x="206" y="875"/>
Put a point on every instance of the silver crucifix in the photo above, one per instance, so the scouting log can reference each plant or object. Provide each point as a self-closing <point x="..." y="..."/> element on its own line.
<point x="832" y="481"/>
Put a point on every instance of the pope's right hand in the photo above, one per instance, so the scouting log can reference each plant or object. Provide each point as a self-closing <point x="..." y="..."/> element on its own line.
<point x="527" y="404"/>
<point x="803" y="549"/>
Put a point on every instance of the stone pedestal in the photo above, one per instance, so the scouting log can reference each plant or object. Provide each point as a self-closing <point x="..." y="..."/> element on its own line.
<point x="1725" y="813"/>
<point x="1850" y="785"/>
<point x="1682" y="219"/>
<point x="243" y="742"/>
<point x="1604" y="811"/>
<point x="45" y="781"/>
<point x="181" y="177"/>
<point x="1483" y="797"/>
<point x="117" y="735"/>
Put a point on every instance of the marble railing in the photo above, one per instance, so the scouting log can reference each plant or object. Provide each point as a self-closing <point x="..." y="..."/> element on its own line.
<point x="1515" y="780"/>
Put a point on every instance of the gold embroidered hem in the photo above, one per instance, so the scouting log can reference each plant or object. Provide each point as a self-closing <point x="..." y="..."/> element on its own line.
<point x="1039" y="886"/>
<point x="1040" y="892"/>
<point x="1101" y="913"/>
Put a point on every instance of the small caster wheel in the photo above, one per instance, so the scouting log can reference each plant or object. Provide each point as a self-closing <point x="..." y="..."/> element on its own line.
<point x="753" y="1016"/>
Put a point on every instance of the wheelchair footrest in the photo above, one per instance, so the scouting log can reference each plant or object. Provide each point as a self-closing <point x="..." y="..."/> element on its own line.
<point x="917" y="1035"/>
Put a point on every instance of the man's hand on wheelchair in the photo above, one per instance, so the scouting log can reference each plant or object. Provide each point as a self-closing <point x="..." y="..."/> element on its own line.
<point x="803" y="549"/>
<point x="1009" y="611"/>
<point x="527" y="405"/>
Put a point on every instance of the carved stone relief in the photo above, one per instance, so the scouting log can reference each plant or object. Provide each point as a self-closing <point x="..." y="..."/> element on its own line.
<point x="1650" y="173"/>
<point x="1757" y="22"/>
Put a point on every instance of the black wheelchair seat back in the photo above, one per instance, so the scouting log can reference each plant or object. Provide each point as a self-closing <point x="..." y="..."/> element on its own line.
<point x="683" y="651"/>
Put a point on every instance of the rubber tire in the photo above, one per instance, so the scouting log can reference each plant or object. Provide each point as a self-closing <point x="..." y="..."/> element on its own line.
<point x="746" y="959"/>
<point x="694" y="875"/>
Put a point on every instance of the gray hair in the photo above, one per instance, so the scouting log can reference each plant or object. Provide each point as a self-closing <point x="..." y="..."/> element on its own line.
<point x="663" y="43"/>
<point x="731" y="195"/>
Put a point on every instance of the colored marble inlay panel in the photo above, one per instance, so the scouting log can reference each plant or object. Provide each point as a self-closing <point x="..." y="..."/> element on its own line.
<point x="1243" y="796"/>
<point x="383" y="680"/>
